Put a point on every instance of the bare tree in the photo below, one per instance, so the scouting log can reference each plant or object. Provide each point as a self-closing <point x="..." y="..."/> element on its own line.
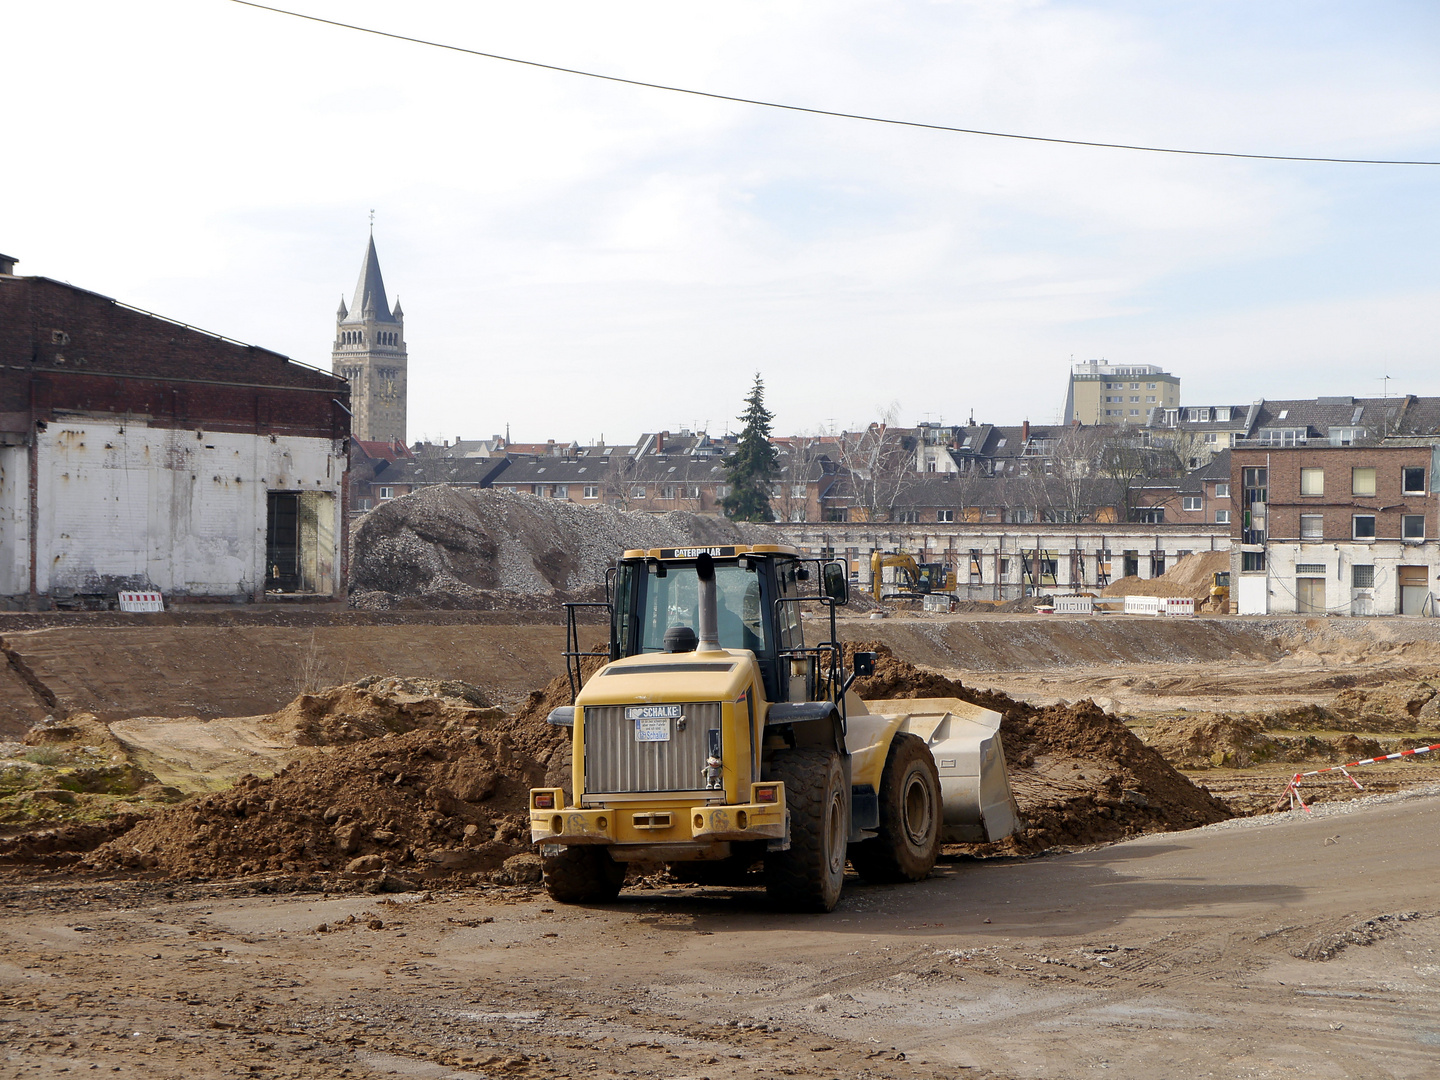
<point x="619" y="479"/>
<point x="881" y="463"/>
<point x="797" y="461"/>
<point x="1125" y="459"/>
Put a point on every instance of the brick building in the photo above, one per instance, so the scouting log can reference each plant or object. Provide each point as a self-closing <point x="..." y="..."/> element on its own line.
<point x="1336" y="530"/>
<point x="137" y="452"/>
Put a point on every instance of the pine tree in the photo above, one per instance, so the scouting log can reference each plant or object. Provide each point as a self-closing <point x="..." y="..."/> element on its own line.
<point x="752" y="466"/>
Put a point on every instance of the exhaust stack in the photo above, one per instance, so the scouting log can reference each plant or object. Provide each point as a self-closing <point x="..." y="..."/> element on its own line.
<point x="708" y="618"/>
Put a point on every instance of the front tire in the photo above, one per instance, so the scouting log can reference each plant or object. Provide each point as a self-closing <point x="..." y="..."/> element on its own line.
<point x="908" y="840"/>
<point x="582" y="874"/>
<point x="809" y="875"/>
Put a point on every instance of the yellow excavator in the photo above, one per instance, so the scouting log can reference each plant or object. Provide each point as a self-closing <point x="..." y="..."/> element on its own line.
<point x="915" y="579"/>
<point x="714" y="739"/>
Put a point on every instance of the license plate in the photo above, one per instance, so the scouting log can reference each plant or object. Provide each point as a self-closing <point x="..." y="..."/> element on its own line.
<point x="652" y="729"/>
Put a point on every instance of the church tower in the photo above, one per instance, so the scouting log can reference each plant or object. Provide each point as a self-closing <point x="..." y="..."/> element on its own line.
<point x="370" y="353"/>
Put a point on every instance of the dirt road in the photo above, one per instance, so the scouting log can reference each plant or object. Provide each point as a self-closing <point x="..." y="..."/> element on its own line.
<point x="1278" y="947"/>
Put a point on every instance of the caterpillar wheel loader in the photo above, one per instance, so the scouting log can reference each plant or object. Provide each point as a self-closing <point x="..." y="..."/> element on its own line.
<point x="713" y="739"/>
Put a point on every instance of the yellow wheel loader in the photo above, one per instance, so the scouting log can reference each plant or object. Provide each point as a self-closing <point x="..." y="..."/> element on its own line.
<point x="715" y="739"/>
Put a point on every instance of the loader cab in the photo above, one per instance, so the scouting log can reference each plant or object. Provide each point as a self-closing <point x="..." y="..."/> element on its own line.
<point x="657" y="599"/>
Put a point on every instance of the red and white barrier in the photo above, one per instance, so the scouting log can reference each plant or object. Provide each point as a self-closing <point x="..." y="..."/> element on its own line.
<point x="141" y="601"/>
<point x="1292" y="789"/>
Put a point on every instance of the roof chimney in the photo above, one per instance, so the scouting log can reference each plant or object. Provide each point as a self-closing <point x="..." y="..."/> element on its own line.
<point x="1025" y="432"/>
<point x="7" y="264"/>
<point x="660" y="441"/>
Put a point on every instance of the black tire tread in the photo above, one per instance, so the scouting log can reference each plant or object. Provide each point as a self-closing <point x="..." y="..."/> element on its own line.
<point x="581" y="874"/>
<point x="795" y="880"/>
<point x="885" y="858"/>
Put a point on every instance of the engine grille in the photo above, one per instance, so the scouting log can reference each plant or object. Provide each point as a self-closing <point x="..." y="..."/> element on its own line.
<point x="615" y="762"/>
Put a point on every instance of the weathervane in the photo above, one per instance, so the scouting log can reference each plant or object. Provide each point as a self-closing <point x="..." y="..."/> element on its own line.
<point x="372" y="222"/>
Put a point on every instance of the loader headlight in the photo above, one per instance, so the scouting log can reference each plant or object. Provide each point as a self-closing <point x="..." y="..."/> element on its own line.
<point x="766" y="794"/>
<point x="544" y="800"/>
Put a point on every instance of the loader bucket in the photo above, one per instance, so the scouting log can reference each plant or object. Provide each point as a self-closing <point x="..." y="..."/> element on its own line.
<point x="965" y="742"/>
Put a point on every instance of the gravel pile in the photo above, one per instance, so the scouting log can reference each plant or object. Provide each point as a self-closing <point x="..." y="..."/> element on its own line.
<point x="488" y="549"/>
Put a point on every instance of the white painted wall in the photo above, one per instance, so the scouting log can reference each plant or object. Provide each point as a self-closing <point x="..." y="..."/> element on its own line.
<point x="1339" y="559"/>
<point x="123" y="504"/>
<point x="14" y="520"/>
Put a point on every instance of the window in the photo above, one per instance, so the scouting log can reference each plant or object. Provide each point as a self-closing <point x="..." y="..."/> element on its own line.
<point x="668" y="491"/>
<point x="1364" y="527"/>
<point x="1135" y="398"/>
<point x="1134" y="412"/>
<point x="1134" y="386"/>
<point x="1222" y="517"/>
<point x="1309" y="569"/>
<point x="1362" y="482"/>
<point x="1150" y="386"/>
<point x="1312" y="526"/>
<point x="1345" y="436"/>
<point x="1252" y="562"/>
<point x="1312" y="481"/>
<point x="722" y="491"/>
<point x="1004" y="568"/>
<point x="592" y="492"/>
<point x="1362" y="577"/>
<point x="365" y="504"/>
<point x="1414" y="481"/>
<point x="1281" y="436"/>
<point x="1222" y="491"/>
<point x="1150" y="398"/>
<point x="944" y="515"/>
<point x="1191" y="502"/>
<point x="693" y="491"/>
<point x="638" y="491"/>
<point x="1148" y="515"/>
<point x="907" y="517"/>
<point x="797" y="491"/>
<point x="561" y="491"/>
<point x="1412" y="526"/>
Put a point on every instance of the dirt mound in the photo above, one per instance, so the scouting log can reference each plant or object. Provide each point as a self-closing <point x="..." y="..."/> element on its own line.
<point x="1021" y="605"/>
<point x="1207" y="739"/>
<point x="488" y="549"/>
<point x="417" y="807"/>
<point x="1192" y="576"/>
<point x="1079" y="775"/>
<point x="380" y="705"/>
<point x="1393" y="707"/>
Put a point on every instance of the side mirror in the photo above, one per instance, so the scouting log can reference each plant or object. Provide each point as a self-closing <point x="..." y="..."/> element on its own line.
<point x="562" y="716"/>
<point x="863" y="664"/>
<point x="837" y="586"/>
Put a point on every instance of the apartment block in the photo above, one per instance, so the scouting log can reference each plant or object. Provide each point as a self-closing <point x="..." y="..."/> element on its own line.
<point x="1102" y="393"/>
<point x="1336" y="530"/>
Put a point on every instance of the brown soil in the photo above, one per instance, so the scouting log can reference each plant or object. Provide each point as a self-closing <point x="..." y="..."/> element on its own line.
<point x="1191" y="576"/>
<point x="421" y="806"/>
<point x="1079" y="775"/>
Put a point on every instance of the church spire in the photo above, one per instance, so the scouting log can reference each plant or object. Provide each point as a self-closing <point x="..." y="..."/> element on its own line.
<point x="370" y="302"/>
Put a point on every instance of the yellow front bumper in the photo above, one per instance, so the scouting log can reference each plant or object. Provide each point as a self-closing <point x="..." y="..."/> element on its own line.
<point x="636" y="824"/>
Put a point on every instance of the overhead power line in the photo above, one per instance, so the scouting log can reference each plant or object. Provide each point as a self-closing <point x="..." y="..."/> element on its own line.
<point x="822" y="112"/>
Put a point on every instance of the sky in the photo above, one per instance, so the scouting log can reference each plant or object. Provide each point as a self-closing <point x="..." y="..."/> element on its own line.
<point x="580" y="259"/>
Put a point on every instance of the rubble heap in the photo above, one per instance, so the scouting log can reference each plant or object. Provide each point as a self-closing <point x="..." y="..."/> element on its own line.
<point x="487" y="549"/>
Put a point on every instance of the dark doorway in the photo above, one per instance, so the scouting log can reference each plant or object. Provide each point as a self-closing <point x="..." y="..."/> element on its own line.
<point x="282" y="542"/>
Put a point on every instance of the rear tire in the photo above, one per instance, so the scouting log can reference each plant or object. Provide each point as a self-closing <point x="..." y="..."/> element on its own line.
<point x="908" y="840"/>
<point x="809" y="875"/>
<point x="582" y="874"/>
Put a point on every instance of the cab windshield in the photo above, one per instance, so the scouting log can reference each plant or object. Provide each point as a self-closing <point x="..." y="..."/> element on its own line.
<point x="674" y="600"/>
